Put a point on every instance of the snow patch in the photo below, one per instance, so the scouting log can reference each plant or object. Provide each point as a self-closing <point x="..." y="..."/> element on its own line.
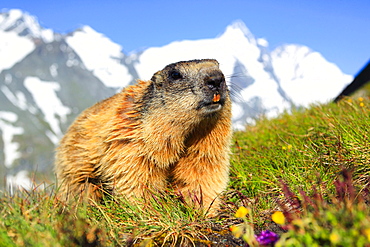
<point x="46" y="98"/>
<point x="262" y="42"/>
<point x="18" y="99"/>
<point x="8" y="79"/>
<point x="104" y="61"/>
<point x="72" y="62"/>
<point x="52" y="137"/>
<point x="12" y="16"/>
<point x="47" y="35"/>
<point x="14" y="48"/>
<point x="54" y="70"/>
<point x="7" y="120"/>
<point x="18" y="182"/>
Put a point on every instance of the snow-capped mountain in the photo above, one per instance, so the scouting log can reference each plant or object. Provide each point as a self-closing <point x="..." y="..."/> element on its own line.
<point x="48" y="78"/>
<point x="305" y="75"/>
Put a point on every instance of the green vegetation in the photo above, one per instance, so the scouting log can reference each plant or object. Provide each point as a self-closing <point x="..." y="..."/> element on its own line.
<point x="312" y="165"/>
<point x="343" y="220"/>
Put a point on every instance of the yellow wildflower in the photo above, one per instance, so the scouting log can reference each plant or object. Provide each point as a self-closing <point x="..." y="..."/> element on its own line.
<point x="278" y="217"/>
<point x="360" y="99"/>
<point x="334" y="237"/>
<point x="367" y="233"/>
<point x="288" y="147"/>
<point x="237" y="231"/>
<point x="241" y="212"/>
<point x="362" y="104"/>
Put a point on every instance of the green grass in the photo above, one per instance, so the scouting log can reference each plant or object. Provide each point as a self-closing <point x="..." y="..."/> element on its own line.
<point x="302" y="146"/>
<point x="37" y="219"/>
<point x="303" y="152"/>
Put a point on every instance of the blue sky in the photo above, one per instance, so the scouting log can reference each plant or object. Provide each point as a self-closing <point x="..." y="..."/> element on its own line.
<point x="339" y="29"/>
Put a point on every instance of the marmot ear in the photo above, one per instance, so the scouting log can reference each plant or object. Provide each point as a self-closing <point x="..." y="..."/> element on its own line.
<point x="157" y="78"/>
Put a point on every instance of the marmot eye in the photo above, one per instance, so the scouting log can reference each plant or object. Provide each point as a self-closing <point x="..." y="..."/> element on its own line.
<point x="175" y="75"/>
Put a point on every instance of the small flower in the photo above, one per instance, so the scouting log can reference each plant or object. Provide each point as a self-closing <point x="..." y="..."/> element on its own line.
<point x="267" y="237"/>
<point x="288" y="147"/>
<point x="241" y="212"/>
<point x="278" y="217"/>
<point x="237" y="231"/>
<point x="360" y="99"/>
<point x="334" y="238"/>
<point x="362" y="104"/>
<point x="367" y="233"/>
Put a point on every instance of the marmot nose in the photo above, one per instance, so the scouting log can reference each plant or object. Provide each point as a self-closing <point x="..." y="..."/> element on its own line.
<point x="214" y="83"/>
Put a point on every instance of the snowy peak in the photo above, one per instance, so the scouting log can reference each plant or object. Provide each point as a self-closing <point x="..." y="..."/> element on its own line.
<point x="14" y="43"/>
<point x="238" y="30"/>
<point x="106" y="60"/>
<point x="24" y="25"/>
<point x="305" y="75"/>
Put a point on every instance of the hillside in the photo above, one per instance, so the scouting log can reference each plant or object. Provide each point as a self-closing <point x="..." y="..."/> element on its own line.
<point x="312" y="151"/>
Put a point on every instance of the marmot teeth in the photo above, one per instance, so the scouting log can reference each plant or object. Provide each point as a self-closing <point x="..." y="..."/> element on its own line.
<point x="216" y="97"/>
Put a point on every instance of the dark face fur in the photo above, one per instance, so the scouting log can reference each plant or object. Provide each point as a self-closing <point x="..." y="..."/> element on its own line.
<point x="196" y="85"/>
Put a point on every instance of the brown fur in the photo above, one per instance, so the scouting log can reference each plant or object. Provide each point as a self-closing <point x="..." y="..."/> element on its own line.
<point x="174" y="129"/>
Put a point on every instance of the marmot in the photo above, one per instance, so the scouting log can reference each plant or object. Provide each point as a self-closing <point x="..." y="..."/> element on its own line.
<point x="173" y="130"/>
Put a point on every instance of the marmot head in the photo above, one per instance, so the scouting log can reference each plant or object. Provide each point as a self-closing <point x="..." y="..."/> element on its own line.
<point x="195" y="85"/>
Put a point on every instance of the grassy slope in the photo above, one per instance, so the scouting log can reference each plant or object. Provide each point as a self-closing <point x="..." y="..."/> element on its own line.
<point x="299" y="148"/>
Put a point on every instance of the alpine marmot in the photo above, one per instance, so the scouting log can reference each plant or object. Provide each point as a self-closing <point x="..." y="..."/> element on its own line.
<point x="171" y="131"/>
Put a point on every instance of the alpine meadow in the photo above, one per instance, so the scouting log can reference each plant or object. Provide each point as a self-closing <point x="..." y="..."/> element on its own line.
<point x="302" y="177"/>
